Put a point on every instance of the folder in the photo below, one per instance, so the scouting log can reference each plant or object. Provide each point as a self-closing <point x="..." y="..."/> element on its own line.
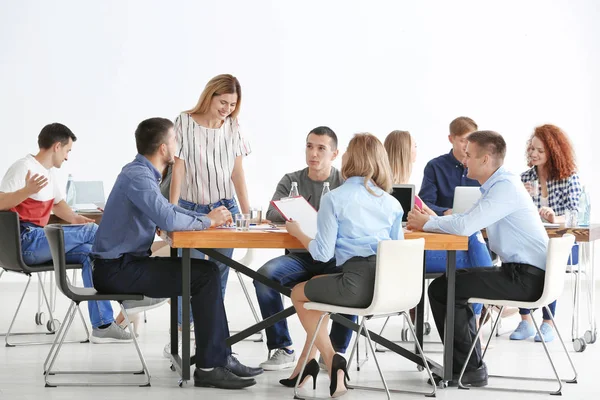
<point x="300" y="210"/>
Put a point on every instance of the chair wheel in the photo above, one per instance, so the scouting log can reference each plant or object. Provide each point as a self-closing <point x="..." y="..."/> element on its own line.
<point x="40" y="318"/>
<point x="427" y="328"/>
<point x="420" y="368"/>
<point x="442" y="384"/>
<point x="172" y="367"/>
<point x="53" y="325"/>
<point x="404" y="335"/>
<point x="590" y="337"/>
<point x="579" y="345"/>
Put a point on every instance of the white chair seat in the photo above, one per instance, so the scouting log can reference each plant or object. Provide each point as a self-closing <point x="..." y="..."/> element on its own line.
<point x="361" y="312"/>
<point x="510" y="303"/>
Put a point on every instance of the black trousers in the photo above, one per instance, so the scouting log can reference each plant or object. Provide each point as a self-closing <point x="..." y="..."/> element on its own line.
<point x="511" y="281"/>
<point x="160" y="277"/>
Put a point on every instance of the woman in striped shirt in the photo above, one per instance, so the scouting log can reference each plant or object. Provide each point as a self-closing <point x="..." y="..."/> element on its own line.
<point x="208" y="171"/>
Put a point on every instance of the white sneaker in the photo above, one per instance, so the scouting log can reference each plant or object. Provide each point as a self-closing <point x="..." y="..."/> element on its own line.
<point x="279" y="360"/>
<point x="113" y="334"/>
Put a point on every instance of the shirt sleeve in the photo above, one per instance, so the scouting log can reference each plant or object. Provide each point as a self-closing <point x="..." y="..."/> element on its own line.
<point x="242" y="145"/>
<point x="178" y="127"/>
<point x="499" y="202"/>
<point x="428" y="192"/>
<point x="573" y="192"/>
<point x="283" y="189"/>
<point x="322" y="247"/>
<point x="144" y="193"/>
<point x="14" y="179"/>
<point x="397" y="232"/>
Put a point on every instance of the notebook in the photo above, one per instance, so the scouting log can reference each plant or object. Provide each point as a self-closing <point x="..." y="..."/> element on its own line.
<point x="298" y="209"/>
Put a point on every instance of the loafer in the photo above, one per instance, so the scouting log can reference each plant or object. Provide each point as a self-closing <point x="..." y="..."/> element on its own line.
<point x="221" y="378"/>
<point x="235" y="366"/>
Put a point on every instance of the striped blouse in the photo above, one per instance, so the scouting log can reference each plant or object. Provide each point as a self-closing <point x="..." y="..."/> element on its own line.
<point x="209" y="156"/>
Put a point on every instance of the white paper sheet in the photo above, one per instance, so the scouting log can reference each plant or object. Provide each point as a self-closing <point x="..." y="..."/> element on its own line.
<point x="298" y="209"/>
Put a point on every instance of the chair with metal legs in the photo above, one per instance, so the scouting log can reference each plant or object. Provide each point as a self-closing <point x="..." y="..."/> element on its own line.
<point x="55" y="236"/>
<point x="398" y="288"/>
<point x="556" y="260"/>
<point x="11" y="260"/>
<point x="247" y="260"/>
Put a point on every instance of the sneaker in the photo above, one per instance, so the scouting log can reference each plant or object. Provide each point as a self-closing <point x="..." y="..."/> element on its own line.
<point x="547" y="333"/>
<point x="147" y="303"/>
<point x="279" y="360"/>
<point x="221" y="378"/>
<point x="235" y="366"/>
<point x="524" y="330"/>
<point x="113" y="334"/>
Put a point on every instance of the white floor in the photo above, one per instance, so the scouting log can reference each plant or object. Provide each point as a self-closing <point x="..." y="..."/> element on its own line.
<point x="21" y="367"/>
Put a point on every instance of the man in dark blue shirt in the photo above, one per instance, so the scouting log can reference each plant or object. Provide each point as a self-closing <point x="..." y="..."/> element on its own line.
<point x="444" y="173"/>
<point x="122" y="263"/>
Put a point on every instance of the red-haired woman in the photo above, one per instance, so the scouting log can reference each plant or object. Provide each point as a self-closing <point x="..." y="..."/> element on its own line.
<point x="552" y="161"/>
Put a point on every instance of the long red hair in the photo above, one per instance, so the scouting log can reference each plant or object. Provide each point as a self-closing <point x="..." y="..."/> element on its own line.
<point x="560" y="162"/>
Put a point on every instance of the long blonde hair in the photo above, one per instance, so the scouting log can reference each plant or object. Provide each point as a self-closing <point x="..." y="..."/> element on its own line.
<point x="398" y="145"/>
<point x="220" y="84"/>
<point x="366" y="157"/>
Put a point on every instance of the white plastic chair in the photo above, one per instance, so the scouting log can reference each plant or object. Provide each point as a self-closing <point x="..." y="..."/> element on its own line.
<point x="398" y="288"/>
<point x="559" y="250"/>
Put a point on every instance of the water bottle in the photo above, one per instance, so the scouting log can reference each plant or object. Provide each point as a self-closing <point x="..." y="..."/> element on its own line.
<point x="294" y="191"/>
<point x="325" y="190"/>
<point x="584" y="209"/>
<point x="70" y="191"/>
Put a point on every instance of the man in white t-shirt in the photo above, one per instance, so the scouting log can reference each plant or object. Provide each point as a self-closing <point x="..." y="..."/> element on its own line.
<point x="30" y="189"/>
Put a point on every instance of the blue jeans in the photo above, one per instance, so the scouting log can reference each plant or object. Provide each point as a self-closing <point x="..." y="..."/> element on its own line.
<point x="203" y="209"/>
<point x="290" y="270"/>
<point x="477" y="255"/>
<point x="78" y="245"/>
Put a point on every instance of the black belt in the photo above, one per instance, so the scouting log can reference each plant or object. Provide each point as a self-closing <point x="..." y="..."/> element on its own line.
<point x="530" y="269"/>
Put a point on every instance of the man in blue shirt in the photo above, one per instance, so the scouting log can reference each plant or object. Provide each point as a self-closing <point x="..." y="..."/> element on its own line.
<point x="515" y="232"/>
<point x="444" y="173"/>
<point x="121" y="251"/>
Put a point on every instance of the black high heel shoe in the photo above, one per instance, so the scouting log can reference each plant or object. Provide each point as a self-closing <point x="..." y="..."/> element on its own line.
<point x="311" y="369"/>
<point x="338" y="363"/>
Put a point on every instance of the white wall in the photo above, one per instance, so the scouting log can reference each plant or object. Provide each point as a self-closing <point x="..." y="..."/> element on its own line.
<point x="102" y="67"/>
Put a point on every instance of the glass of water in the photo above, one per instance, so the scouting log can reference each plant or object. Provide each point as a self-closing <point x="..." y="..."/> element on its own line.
<point x="242" y="222"/>
<point x="571" y="218"/>
<point x="256" y="215"/>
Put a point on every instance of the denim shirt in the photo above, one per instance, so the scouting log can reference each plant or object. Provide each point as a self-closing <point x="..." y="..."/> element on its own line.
<point x="514" y="228"/>
<point x="351" y="222"/>
<point x="135" y="208"/>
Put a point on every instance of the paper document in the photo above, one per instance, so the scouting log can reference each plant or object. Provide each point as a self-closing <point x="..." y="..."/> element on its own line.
<point x="300" y="210"/>
<point x="85" y="207"/>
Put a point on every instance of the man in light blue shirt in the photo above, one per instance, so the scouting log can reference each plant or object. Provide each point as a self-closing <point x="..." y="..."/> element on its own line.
<point x="122" y="262"/>
<point x="515" y="232"/>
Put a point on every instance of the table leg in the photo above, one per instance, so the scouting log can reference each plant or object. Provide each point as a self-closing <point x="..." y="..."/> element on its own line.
<point x="449" y="326"/>
<point x="185" y="314"/>
<point x="420" y="312"/>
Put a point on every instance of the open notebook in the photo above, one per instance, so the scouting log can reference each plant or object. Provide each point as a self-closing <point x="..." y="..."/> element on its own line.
<point x="298" y="209"/>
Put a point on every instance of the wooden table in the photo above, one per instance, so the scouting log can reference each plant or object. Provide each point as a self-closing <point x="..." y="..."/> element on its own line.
<point x="209" y="240"/>
<point x="96" y="216"/>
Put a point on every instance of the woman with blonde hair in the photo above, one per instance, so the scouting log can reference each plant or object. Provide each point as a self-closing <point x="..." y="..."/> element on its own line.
<point x="352" y="219"/>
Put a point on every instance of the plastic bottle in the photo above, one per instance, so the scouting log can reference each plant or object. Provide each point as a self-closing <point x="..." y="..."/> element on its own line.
<point x="71" y="195"/>
<point x="584" y="208"/>
<point x="294" y="191"/>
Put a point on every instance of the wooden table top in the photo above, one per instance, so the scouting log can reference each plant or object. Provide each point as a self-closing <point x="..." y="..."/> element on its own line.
<point x="280" y="239"/>
<point x="96" y="216"/>
<point x="582" y="234"/>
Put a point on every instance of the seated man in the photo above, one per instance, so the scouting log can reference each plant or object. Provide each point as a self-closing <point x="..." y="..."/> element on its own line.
<point x="122" y="262"/>
<point x="515" y="233"/>
<point x="31" y="189"/>
<point x="298" y="265"/>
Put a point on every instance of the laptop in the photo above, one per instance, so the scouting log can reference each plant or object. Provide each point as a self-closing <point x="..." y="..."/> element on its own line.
<point x="405" y="194"/>
<point x="464" y="198"/>
<point x="89" y="195"/>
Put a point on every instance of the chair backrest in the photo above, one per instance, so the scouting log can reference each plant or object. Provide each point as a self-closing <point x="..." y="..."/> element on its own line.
<point x="56" y="240"/>
<point x="559" y="250"/>
<point x="11" y="258"/>
<point x="398" y="276"/>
